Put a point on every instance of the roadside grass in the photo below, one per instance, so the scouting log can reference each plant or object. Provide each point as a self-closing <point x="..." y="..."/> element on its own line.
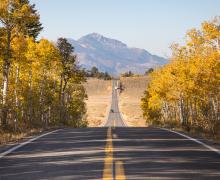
<point x="130" y="99"/>
<point x="205" y="135"/>
<point x="198" y="133"/>
<point x="12" y="137"/>
<point x="99" y="100"/>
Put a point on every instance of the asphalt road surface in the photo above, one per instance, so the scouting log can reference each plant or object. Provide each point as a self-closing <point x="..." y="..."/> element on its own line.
<point x="112" y="153"/>
<point x="114" y="118"/>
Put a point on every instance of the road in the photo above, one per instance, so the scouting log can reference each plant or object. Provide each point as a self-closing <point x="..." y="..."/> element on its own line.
<point x="112" y="152"/>
<point x="114" y="118"/>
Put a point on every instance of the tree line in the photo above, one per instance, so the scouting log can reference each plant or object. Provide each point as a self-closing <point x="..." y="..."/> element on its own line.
<point x="185" y="92"/>
<point x="131" y="74"/>
<point x="41" y="81"/>
<point x="95" y="73"/>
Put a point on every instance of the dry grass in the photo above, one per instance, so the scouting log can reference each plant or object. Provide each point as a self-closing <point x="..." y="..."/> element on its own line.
<point x="8" y="137"/>
<point x="129" y="99"/>
<point x="99" y="100"/>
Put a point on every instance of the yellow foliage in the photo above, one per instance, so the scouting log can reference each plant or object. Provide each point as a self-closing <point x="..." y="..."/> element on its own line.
<point x="187" y="89"/>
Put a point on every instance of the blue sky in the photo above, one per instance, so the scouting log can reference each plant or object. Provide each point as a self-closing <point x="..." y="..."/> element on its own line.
<point x="150" y="24"/>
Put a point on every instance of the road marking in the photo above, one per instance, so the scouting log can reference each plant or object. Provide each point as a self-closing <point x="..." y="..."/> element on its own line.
<point x="114" y="136"/>
<point x="108" y="173"/>
<point x="119" y="168"/>
<point x="25" y="143"/>
<point x="114" y="123"/>
<point x="195" y="140"/>
<point x="108" y="166"/>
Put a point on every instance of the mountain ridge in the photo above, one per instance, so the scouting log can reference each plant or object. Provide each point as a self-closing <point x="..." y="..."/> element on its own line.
<point x="113" y="56"/>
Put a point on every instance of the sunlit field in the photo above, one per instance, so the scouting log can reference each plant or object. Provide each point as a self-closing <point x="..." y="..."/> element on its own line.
<point x="98" y="102"/>
<point x="129" y="99"/>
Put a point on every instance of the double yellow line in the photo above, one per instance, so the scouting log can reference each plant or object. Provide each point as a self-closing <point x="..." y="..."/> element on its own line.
<point x="108" y="173"/>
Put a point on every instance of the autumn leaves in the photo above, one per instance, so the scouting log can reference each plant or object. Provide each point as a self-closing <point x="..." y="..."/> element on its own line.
<point x="41" y="80"/>
<point x="186" y="91"/>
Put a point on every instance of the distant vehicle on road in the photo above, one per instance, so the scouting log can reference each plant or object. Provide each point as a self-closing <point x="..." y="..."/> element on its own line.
<point x="112" y="110"/>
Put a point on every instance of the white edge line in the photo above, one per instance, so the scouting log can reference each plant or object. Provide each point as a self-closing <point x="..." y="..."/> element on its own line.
<point x="24" y="143"/>
<point x="195" y="140"/>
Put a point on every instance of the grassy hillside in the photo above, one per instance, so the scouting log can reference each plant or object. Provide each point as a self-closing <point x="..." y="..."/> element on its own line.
<point x="99" y="99"/>
<point x="129" y="99"/>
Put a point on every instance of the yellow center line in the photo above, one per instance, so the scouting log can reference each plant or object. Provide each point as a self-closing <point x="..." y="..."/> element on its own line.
<point x="119" y="168"/>
<point x="108" y="173"/>
<point x="108" y="166"/>
<point x="114" y="123"/>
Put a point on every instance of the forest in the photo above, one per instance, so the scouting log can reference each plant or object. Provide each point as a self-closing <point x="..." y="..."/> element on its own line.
<point x="185" y="92"/>
<point x="41" y="80"/>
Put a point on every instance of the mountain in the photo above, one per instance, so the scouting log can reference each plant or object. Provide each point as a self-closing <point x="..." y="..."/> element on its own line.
<point x="112" y="55"/>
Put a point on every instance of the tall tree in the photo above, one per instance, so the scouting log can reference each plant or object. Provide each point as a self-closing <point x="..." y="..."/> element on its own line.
<point x="68" y="61"/>
<point x="16" y="16"/>
<point x="32" y="24"/>
<point x="186" y="91"/>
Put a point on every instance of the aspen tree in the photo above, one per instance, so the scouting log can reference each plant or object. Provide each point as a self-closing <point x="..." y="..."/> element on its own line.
<point x="16" y="16"/>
